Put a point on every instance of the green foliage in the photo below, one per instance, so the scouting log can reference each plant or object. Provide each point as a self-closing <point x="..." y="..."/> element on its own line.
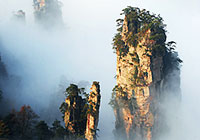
<point x="119" y="45"/>
<point x="94" y="132"/>
<point x="171" y="59"/>
<point x="26" y="119"/>
<point x="140" y="21"/>
<point x="12" y="123"/>
<point x="21" y="124"/>
<point x="63" y="108"/>
<point x="78" y="107"/>
<point x="117" y="91"/>
<point x="58" y="130"/>
<point x="113" y="102"/>
<point x="42" y="131"/>
<point x="73" y="90"/>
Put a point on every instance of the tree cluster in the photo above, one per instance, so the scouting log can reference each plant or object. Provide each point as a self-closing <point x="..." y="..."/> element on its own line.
<point x="25" y="125"/>
<point x="76" y="109"/>
<point x="138" y="23"/>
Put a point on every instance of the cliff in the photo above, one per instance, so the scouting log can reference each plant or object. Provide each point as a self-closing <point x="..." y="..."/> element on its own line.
<point x="48" y="13"/>
<point x="74" y="121"/>
<point x="93" y="112"/>
<point x="81" y="114"/>
<point x="147" y="67"/>
<point x="38" y="4"/>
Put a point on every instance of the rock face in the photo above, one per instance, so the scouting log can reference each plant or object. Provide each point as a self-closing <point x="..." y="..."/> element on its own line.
<point x="143" y="72"/>
<point x="93" y="112"/>
<point x="82" y="114"/>
<point x="73" y="119"/>
<point x="38" y="4"/>
<point x="48" y="13"/>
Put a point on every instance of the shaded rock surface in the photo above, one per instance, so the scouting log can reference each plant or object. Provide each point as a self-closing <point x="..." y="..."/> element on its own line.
<point x="147" y="74"/>
<point x="48" y="13"/>
<point x="82" y="114"/>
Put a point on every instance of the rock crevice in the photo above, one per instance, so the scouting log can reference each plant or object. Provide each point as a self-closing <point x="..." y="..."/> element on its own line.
<point x="141" y="75"/>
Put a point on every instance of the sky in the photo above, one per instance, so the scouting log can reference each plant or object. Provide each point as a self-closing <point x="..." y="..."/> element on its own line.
<point x="83" y="51"/>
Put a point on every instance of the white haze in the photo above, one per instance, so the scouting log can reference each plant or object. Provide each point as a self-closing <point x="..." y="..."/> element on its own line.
<point x="83" y="52"/>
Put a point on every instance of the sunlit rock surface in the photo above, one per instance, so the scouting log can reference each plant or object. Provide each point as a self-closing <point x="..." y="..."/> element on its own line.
<point x="93" y="112"/>
<point x="144" y="81"/>
<point x="82" y="115"/>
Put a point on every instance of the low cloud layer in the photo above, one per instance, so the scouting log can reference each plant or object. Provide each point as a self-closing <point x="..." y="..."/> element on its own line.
<point x="39" y="59"/>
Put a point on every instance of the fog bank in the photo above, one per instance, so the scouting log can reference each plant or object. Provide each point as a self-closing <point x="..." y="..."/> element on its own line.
<point x="83" y="51"/>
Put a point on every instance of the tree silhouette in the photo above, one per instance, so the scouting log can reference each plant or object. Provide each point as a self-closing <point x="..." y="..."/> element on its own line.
<point x="42" y="131"/>
<point x="4" y="130"/>
<point x="21" y="124"/>
<point x="58" y="130"/>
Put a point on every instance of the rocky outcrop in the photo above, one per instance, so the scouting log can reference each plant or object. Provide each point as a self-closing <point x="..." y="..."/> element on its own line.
<point x="38" y="4"/>
<point x="143" y="73"/>
<point x="48" y="13"/>
<point x="93" y="112"/>
<point x="74" y="121"/>
<point x="82" y="114"/>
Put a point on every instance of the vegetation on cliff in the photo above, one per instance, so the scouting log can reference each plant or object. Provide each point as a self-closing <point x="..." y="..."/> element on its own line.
<point x="48" y="13"/>
<point x="80" y="115"/>
<point x="148" y="70"/>
<point x="132" y="30"/>
<point x="139" y="22"/>
<point x="74" y="111"/>
<point x="80" y="112"/>
<point x="81" y="108"/>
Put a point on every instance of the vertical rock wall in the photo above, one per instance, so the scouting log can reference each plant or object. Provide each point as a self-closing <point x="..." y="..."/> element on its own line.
<point x="73" y="114"/>
<point x="38" y="4"/>
<point x="141" y="78"/>
<point x="93" y="112"/>
<point x="48" y="13"/>
<point x="134" y="77"/>
<point x="82" y="114"/>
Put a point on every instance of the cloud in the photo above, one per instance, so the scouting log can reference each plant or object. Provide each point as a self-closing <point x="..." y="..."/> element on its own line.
<point x="83" y="52"/>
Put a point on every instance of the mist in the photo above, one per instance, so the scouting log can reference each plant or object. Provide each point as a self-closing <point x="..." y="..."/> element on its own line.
<point x="44" y="59"/>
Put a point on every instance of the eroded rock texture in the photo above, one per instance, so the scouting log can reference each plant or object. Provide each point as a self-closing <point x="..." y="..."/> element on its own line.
<point x="48" y="13"/>
<point x="147" y="72"/>
<point x="82" y="114"/>
<point x="74" y="119"/>
<point x="93" y="112"/>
